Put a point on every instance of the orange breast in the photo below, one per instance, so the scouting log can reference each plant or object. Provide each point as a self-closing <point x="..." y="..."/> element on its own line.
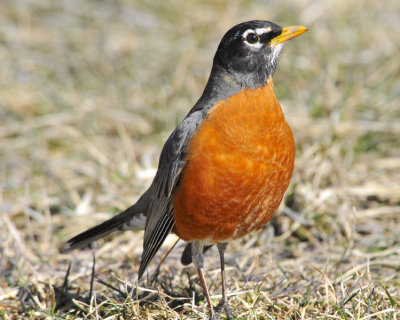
<point x="239" y="164"/>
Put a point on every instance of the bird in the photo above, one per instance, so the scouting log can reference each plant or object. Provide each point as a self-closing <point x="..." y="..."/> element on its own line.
<point x="223" y="171"/>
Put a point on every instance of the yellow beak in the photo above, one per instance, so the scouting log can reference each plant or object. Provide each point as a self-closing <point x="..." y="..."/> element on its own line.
<point x="287" y="34"/>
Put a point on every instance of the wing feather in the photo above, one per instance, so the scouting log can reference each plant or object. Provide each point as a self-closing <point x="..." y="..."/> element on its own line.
<point x="160" y="218"/>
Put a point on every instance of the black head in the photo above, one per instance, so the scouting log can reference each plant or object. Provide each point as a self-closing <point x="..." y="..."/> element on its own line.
<point x="245" y="58"/>
<point x="249" y="51"/>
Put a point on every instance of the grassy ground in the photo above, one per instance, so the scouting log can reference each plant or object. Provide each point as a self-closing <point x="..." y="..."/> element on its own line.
<point x="89" y="91"/>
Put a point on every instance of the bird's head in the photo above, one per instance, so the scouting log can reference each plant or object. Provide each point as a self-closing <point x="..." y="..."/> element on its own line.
<point x="250" y="50"/>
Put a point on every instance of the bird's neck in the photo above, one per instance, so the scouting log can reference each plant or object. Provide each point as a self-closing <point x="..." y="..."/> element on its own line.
<point x="223" y="84"/>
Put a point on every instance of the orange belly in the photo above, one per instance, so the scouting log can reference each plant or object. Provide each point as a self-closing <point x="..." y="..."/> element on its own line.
<point x="239" y="165"/>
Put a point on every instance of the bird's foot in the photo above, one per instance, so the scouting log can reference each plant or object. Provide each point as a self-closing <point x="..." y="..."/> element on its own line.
<point x="214" y="316"/>
<point x="222" y="306"/>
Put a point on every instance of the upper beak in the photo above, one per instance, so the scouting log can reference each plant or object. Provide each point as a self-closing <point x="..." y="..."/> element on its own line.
<point x="287" y="34"/>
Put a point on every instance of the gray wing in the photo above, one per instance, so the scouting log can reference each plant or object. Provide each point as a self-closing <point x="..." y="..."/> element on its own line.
<point x="160" y="218"/>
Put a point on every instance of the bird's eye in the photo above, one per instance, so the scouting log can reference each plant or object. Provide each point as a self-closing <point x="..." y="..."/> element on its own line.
<point x="252" y="38"/>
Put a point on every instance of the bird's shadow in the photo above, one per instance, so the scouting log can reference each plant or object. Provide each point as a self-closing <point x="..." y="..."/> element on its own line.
<point x="174" y="296"/>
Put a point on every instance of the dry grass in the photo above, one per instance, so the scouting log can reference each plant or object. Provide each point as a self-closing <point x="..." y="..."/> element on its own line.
<point x="91" y="89"/>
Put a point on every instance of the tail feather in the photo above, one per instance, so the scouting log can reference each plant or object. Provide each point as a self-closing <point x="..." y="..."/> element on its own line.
<point x="103" y="229"/>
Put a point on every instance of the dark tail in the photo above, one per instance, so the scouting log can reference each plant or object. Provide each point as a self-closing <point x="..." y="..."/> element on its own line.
<point x="131" y="218"/>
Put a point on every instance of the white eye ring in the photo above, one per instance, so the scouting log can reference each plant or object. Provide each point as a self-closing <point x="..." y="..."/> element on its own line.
<point x="249" y="33"/>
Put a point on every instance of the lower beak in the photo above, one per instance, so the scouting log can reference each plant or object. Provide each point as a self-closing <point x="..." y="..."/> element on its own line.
<point x="287" y="34"/>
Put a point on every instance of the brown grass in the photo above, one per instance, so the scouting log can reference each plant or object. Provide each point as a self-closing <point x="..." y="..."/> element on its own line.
<point x="91" y="89"/>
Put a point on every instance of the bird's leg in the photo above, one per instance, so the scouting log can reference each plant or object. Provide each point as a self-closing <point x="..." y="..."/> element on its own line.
<point x="198" y="260"/>
<point x="223" y="304"/>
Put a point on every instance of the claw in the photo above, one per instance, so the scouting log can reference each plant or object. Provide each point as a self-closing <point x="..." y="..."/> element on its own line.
<point x="222" y="306"/>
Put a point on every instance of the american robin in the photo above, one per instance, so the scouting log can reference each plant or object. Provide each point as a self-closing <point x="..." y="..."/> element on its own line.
<point x="223" y="171"/>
